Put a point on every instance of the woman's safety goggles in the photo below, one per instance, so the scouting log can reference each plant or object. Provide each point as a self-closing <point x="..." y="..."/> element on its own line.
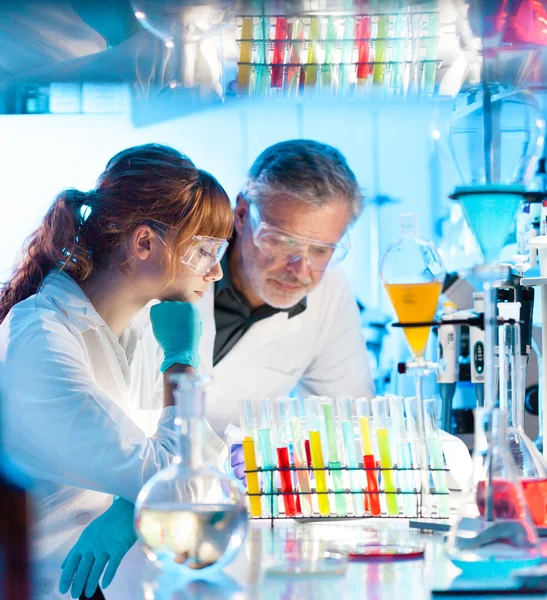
<point x="288" y="248"/>
<point x="203" y="254"/>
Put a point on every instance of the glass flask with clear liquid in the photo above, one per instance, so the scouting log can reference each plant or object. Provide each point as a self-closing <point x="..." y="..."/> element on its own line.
<point x="494" y="532"/>
<point x="190" y="517"/>
<point x="528" y="460"/>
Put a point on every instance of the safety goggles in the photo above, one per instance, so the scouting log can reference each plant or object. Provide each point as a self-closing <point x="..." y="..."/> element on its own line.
<point x="289" y="248"/>
<point x="203" y="254"/>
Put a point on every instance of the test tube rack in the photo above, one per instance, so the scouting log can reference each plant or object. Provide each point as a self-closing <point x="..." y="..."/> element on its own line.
<point x="269" y="499"/>
<point x="339" y="56"/>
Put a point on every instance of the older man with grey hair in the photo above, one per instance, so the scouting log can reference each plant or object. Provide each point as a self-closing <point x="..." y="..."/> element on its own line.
<point x="284" y="318"/>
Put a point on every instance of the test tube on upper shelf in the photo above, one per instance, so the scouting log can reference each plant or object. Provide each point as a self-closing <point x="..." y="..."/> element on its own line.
<point x="347" y="66"/>
<point x="314" y="35"/>
<point x="362" y="407"/>
<point x="300" y="461"/>
<point x="281" y="431"/>
<point x="318" y="463"/>
<point x="328" y="74"/>
<point x="379" y="413"/>
<point x="335" y="464"/>
<point x="248" y="425"/>
<point x="245" y="56"/>
<point x="278" y="62"/>
<point x="436" y="457"/>
<point x="380" y="52"/>
<point x="398" y="57"/>
<point x="403" y="454"/>
<point x="268" y="462"/>
<point x="430" y="68"/>
<point x="416" y="58"/>
<point x="294" y="73"/>
<point x="262" y="35"/>
<point x="363" y="32"/>
<point x="345" y="412"/>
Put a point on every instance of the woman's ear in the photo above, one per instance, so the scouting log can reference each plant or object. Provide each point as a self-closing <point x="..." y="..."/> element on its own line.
<point x="141" y="242"/>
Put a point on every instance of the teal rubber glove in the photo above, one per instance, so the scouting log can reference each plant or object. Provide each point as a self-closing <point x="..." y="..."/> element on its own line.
<point x="177" y="328"/>
<point x="105" y="541"/>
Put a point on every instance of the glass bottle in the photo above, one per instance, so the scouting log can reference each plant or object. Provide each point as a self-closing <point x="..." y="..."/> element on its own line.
<point x="528" y="460"/>
<point x="494" y="532"/>
<point x="190" y="517"/>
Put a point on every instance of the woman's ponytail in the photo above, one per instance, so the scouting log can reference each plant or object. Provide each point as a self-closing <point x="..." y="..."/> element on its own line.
<point x="55" y="244"/>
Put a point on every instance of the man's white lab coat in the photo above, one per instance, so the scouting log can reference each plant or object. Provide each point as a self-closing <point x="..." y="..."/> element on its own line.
<point x="321" y="351"/>
<point x="78" y="404"/>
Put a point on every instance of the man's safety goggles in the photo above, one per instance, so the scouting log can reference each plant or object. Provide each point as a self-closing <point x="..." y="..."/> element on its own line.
<point x="203" y="254"/>
<point x="288" y="248"/>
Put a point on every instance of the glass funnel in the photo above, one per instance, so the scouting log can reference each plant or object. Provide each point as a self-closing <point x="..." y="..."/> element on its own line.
<point x="494" y="532"/>
<point x="413" y="275"/>
<point x="528" y="460"/>
<point x="190" y="517"/>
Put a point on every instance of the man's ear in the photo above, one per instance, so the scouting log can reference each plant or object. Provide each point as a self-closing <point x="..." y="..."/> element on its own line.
<point x="241" y="214"/>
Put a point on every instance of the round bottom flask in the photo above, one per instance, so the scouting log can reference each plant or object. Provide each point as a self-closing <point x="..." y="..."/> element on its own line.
<point x="191" y="518"/>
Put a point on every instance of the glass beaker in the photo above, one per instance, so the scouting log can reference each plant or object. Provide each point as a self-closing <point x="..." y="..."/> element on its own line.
<point x="494" y="532"/>
<point x="190" y="517"/>
<point x="529" y="463"/>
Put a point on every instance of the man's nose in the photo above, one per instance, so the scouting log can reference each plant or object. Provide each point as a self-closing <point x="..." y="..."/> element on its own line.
<point x="300" y="267"/>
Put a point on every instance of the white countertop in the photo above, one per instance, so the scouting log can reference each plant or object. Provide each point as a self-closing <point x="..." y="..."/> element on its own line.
<point x="247" y="579"/>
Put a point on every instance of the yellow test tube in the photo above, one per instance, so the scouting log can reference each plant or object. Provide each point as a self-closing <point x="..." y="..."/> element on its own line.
<point x="365" y="434"/>
<point x="249" y="456"/>
<point x="245" y="56"/>
<point x="320" y="476"/>
<point x="379" y="412"/>
<point x="313" y="46"/>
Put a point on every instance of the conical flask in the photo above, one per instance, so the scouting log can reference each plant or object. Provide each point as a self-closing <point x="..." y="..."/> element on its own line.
<point x="494" y="532"/>
<point x="190" y="517"/>
<point x="528" y="460"/>
<point x="413" y="275"/>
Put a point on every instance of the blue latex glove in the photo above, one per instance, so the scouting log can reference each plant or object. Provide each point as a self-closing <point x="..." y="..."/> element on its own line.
<point x="106" y="540"/>
<point x="177" y="328"/>
<point x="237" y="462"/>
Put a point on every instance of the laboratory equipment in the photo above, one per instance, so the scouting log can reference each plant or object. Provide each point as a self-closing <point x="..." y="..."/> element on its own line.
<point x="317" y="458"/>
<point x="248" y="428"/>
<point x="413" y="274"/>
<point x="449" y="351"/>
<point x="436" y="458"/>
<point x="403" y="455"/>
<point x="530" y="466"/>
<point x="494" y="532"/>
<point x="190" y="518"/>
<point x="379" y="415"/>
<point x="345" y="414"/>
<point x="281" y="434"/>
<point x="334" y="455"/>
<point x="362" y="407"/>
<point x="300" y="459"/>
<point x="265" y="441"/>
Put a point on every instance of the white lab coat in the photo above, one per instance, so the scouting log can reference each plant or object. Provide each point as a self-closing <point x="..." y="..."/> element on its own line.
<point x="78" y="404"/>
<point x="321" y="351"/>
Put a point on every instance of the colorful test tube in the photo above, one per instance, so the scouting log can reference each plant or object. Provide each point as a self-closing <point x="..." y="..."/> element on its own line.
<point x="249" y="456"/>
<point x="296" y="36"/>
<point x="436" y="457"/>
<point x="245" y="56"/>
<point x="379" y="414"/>
<point x="312" y="414"/>
<point x="330" y="52"/>
<point x="265" y="443"/>
<point x="362" y="407"/>
<point x="380" y="53"/>
<point x="300" y="461"/>
<point x="345" y="412"/>
<point x="363" y="31"/>
<point x="281" y="429"/>
<point x="280" y="44"/>
<point x="403" y="453"/>
<point x="313" y="52"/>
<point x="398" y="54"/>
<point x="262" y="34"/>
<point x="430" y="69"/>
<point x="335" y="464"/>
<point x="346" y="68"/>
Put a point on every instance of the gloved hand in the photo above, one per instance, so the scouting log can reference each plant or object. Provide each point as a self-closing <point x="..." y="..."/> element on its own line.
<point x="177" y="328"/>
<point x="106" y="540"/>
<point x="237" y="462"/>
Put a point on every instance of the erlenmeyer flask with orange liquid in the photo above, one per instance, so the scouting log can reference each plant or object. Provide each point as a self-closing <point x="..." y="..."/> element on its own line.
<point x="413" y="275"/>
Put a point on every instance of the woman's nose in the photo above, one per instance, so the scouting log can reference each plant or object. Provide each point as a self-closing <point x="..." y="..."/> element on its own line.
<point x="215" y="274"/>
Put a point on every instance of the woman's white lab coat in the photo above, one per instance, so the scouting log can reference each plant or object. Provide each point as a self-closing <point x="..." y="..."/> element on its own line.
<point x="81" y="415"/>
